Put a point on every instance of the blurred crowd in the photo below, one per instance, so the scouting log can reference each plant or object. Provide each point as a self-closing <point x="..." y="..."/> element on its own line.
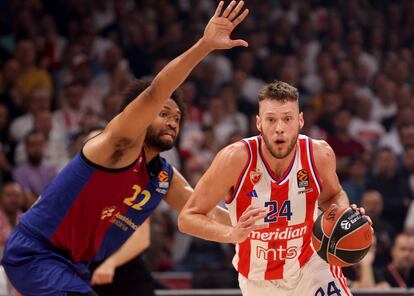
<point x="63" y="65"/>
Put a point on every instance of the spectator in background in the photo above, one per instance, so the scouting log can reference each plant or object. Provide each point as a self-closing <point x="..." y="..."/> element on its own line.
<point x="56" y="145"/>
<point x="310" y="128"/>
<point x="38" y="100"/>
<point x="342" y="143"/>
<point x="9" y="95"/>
<point x="363" y="127"/>
<point x="31" y="76"/>
<point x="32" y="174"/>
<point x="392" y="186"/>
<point x="397" y="273"/>
<point x="69" y="116"/>
<point x="356" y="183"/>
<point x="373" y="203"/>
<point x="11" y="204"/>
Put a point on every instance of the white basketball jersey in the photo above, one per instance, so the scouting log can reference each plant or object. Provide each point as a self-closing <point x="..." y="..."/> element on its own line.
<point x="281" y="249"/>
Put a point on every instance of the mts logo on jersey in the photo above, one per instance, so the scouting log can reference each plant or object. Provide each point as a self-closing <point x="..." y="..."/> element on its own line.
<point x="282" y="251"/>
<point x="303" y="178"/>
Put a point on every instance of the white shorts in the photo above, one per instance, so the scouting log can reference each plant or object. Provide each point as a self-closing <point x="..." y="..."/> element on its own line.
<point x="316" y="278"/>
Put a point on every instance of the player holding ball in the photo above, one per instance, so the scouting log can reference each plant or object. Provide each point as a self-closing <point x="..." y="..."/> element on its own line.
<point x="281" y="177"/>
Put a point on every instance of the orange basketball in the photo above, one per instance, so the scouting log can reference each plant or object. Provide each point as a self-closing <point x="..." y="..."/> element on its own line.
<point x="342" y="236"/>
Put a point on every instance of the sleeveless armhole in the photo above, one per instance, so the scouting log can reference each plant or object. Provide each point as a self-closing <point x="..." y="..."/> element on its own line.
<point x="241" y="177"/>
<point x="313" y="165"/>
<point x="105" y="169"/>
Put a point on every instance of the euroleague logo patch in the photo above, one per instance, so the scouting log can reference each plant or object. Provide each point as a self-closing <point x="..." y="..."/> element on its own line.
<point x="303" y="178"/>
<point x="163" y="176"/>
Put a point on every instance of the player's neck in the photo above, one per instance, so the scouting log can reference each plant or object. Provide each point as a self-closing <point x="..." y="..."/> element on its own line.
<point x="150" y="153"/>
<point x="277" y="165"/>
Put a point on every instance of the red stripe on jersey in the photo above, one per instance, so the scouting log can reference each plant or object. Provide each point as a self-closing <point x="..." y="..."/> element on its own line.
<point x="275" y="265"/>
<point x="337" y="274"/>
<point x="243" y="202"/>
<point x="246" y="166"/>
<point x="310" y="198"/>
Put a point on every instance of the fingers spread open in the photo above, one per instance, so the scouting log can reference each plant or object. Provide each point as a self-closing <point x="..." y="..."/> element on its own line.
<point x="236" y="11"/>
<point x="240" y="18"/>
<point x="219" y="8"/>
<point x="229" y="9"/>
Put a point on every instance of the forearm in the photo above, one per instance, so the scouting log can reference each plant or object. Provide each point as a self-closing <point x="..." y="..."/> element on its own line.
<point x="169" y="78"/>
<point x="134" y="246"/>
<point x="220" y="215"/>
<point x="204" y="227"/>
<point x="340" y="199"/>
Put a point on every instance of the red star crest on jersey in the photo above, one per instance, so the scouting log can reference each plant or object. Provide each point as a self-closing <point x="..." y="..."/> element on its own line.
<point x="255" y="177"/>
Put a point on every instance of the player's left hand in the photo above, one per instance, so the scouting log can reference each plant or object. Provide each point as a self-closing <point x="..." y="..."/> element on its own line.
<point x="104" y="274"/>
<point x="362" y="211"/>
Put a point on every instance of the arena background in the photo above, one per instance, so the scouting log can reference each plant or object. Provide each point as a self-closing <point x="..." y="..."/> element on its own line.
<point x="63" y="64"/>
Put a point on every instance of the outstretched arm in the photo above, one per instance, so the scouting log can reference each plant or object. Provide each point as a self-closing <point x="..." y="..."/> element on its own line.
<point x="122" y="139"/>
<point x="217" y="183"/>
<point x="179" y="193"/>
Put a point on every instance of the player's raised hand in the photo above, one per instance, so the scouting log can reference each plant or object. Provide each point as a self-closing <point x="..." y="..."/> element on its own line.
<point x="218" y="30"/>
<point x="247" y="222"/>
<point x="104" y="274"/>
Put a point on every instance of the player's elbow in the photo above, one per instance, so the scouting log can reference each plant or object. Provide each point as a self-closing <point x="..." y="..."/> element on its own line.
<point x="183" y="222"/>
<point x="157" y="90"/>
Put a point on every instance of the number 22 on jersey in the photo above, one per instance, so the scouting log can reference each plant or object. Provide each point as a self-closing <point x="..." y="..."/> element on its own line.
<point x="129" y="201"/>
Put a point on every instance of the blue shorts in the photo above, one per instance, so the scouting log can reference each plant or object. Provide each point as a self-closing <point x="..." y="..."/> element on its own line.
<point x="35" y="267"/>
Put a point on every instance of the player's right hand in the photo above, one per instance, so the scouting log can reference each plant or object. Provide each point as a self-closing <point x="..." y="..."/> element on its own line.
<point x="246" y="224"/>
<point x="218" y="30"/>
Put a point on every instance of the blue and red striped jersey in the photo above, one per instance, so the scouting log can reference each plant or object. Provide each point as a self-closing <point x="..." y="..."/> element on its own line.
<point x="88" y="211"/>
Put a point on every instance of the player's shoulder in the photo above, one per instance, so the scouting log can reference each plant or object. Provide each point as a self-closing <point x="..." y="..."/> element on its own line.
<point x="322" y="151"/>
<point x="235" y="153"/>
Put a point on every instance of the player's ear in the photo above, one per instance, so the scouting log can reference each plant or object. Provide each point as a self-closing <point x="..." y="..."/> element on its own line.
<point x="258" y="123"/>
<point x="301" y="120"/>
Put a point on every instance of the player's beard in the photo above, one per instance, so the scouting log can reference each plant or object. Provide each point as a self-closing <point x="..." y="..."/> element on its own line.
<point x="153" y="139"/>
<point x="281" y="154"/>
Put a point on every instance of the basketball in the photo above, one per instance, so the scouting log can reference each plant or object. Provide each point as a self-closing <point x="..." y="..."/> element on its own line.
<point x="342" y="236"/>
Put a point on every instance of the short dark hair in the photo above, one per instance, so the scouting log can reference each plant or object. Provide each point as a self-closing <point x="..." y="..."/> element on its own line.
<point x="280" y="91"/>
<point x="139" y="85"/>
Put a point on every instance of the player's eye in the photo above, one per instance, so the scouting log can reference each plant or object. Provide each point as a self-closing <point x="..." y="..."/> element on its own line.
<point x="163" y="114"/>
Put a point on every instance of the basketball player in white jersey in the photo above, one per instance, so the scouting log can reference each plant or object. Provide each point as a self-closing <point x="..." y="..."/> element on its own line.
<point x="281" y="177"/>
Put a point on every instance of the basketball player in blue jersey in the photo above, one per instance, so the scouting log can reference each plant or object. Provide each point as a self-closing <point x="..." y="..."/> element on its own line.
<point x="94" y="208"/>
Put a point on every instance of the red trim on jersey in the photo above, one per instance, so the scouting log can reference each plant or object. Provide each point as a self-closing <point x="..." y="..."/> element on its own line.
<point x="310" y="199"/>
<point x="315" y="170"/>
<point x="337" y="274"/>
<point x="275" y="267"/>
<point x="246" y="166"/>
<point x="267" y="166"/>
<point x="243" y="202"/>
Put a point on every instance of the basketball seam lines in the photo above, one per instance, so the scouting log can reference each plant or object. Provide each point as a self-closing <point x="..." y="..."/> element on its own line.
<point x="333" y="228"/>
<point x="350" y="234"/>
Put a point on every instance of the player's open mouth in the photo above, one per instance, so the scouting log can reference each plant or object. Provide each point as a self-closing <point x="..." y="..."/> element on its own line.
<point x="279" y="142"/>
